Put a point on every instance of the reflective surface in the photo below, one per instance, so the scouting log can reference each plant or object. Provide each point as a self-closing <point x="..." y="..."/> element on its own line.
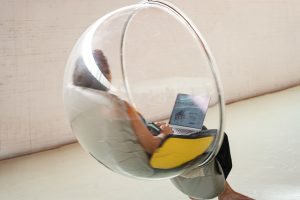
<point x="144" y="55"/>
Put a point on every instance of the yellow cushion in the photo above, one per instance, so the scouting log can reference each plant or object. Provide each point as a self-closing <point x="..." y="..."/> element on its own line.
<point x="176" y="151"/>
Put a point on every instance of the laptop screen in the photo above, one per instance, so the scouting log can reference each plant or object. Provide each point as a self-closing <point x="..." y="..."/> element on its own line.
<point x="189" y="111"/>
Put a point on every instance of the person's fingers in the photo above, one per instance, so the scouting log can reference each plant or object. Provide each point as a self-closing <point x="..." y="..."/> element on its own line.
<point x="159" y="123"/>
<point x="166" y="129"/>
<point x="163" y="126"/>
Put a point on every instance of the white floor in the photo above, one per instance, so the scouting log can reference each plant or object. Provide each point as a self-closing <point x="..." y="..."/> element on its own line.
<point x="264" y="135"/>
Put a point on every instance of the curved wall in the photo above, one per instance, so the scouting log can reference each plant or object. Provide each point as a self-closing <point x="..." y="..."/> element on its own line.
<point x="255" y="43"/>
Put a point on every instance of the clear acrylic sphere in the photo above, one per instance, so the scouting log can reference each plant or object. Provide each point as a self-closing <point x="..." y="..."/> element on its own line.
<point x="144" y="54"/>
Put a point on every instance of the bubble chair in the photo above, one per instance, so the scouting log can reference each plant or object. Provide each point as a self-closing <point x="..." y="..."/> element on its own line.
<point x="143" y="55"/>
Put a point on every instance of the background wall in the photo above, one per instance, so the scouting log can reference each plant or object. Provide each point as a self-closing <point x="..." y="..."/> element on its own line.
<point x="254" y="43"/>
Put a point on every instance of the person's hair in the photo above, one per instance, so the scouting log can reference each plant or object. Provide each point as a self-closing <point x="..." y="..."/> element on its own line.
<point x="82" y="76"/>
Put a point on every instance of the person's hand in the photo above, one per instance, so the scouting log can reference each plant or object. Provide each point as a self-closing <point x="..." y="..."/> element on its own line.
<point x="159" y="123"/>
<point x="165" y="129"/>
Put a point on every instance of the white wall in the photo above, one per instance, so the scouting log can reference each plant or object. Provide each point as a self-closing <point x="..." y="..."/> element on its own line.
<point x="255" y="43"/>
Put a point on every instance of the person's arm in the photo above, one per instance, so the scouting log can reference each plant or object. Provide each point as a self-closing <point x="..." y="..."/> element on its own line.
<point x="149" y="142"/>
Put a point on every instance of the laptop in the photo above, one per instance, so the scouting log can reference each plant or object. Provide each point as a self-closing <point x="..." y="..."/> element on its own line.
<point x="188" y="113"/>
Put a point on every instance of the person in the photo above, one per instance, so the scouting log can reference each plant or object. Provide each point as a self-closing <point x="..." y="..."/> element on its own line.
<point x="151" y="143"/>
<point x="83" y="78"/>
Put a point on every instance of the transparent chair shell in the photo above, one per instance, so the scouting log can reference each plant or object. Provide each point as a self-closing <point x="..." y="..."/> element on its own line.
<point x="154" y="52"/>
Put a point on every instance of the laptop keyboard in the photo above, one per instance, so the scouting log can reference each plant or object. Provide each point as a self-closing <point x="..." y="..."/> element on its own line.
<point x="180" y="131"/>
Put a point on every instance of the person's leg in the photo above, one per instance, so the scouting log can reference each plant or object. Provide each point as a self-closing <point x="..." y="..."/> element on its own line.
<point x="230" y="194"/>
<point x="224" y="158"/>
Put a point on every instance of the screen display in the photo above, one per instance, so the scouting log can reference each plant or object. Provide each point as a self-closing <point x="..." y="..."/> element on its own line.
<point x="189" y="111"/>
